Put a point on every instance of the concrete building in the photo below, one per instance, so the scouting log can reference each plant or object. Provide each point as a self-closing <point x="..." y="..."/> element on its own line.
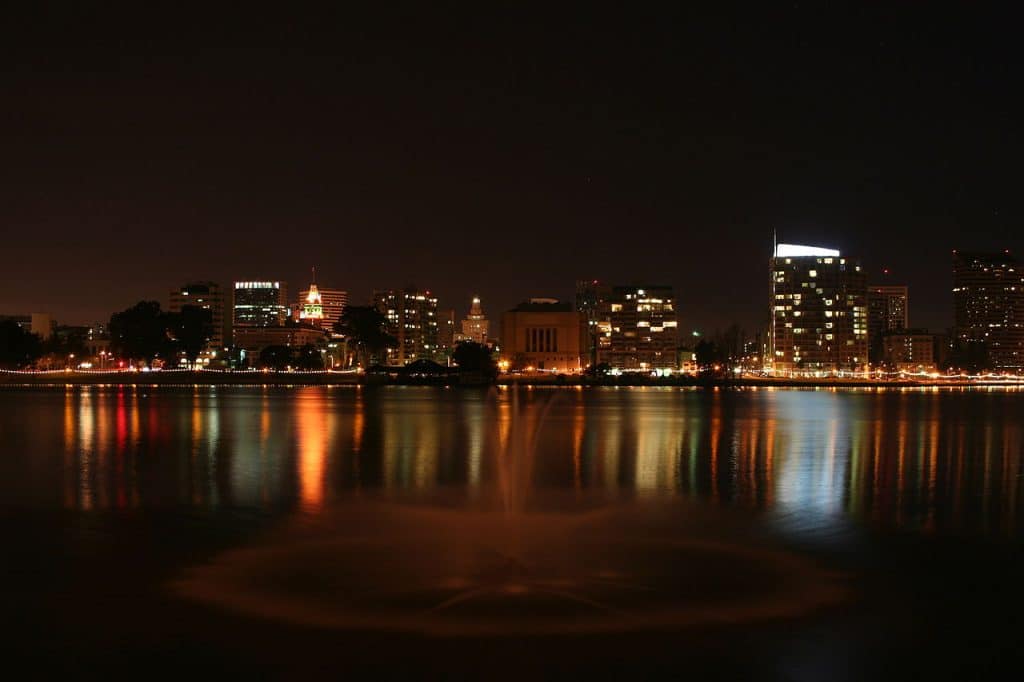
<point x="910" y="350"/>
<point x="206" y="295"/>
<point x="988" y="305"/>
<point x="475" y="325"/>
<point x="639" y="328"/>
<point x="260" y="304"/>
<point x="411" y="317"/>
<point x="818" y="311"/>
<point x="887" y="312"/>
<point x="542" y="334"/>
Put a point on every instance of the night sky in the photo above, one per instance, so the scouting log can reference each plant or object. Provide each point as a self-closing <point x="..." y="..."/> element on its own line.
<point x="504" y="155"/>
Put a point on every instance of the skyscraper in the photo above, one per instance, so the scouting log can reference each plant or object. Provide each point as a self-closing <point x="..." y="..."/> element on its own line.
<point x="260" y="304"/>
<point x="411" y="317"/>
<point x="818" y="310"/>
<point x="206" y="295"/>
<point x="988" y="305"/>
<point x="887" y="312"/>
<point x="475" y="325"/>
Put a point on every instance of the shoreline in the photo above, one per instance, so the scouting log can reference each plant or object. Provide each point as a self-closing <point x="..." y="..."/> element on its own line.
<point x="210" y="378"/>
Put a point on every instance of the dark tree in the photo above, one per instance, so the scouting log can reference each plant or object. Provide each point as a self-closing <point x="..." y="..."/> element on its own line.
<point x="191" y="329"/>
<point x="476" y="358"/>
<point x="140" y="332"/>
<point x="308" y="357"/>
<point x="18" y="348"/>
<point x="276" y="358"/>
<point x="707" y="355"/>
<point x="363" y="327"/>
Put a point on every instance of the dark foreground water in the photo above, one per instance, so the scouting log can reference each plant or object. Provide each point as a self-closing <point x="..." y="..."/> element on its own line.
<point x="421" y="532"/>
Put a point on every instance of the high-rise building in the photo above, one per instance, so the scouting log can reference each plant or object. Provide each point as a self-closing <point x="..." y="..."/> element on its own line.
<point x="411" y="317"/>
<point x="818" y="311"/>
<point x="637" y="328"/>
<point x="988" y="305"/>
<point x="591" y="299"/>
<point x="542" y="334"/>
<point x="260" y="304"/>
<point x="474" y="327"/>
<point x="887" y="312"/>
<point x="446" y="336"/>
<point x="206" y="295"/>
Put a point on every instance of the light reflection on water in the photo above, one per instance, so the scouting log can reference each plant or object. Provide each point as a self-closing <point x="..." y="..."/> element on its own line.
<point x="928" y="460"/>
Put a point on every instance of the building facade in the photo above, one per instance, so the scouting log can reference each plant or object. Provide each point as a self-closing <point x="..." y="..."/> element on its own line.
<point x="818" y="308"/>
<point x="910" y="350"/>
<point x="206" y="295"/>
<point x="542" y="334"/>
<point x="988" y="305"/>
<point x="411" y="317"/>
<point x="331" y="304"/>
<point x="260" y="304"/>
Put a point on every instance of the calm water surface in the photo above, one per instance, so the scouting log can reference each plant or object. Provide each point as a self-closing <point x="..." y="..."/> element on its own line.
<point x="778" y="534"/>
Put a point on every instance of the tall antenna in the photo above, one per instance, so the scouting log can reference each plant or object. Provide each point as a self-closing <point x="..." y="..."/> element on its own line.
<point x="314" y="274"/>
<point x="775" y="241"/>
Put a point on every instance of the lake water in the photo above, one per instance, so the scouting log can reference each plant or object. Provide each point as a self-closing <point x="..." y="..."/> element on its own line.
<point x="770" y="534"/>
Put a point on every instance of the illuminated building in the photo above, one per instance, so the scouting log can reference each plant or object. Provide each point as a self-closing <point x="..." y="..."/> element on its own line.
<point x="637" y="328"/>
<point x="411" y="317"/>
<point x="887" y="312"/>
<point x="818" y="311"/>
<point x="206" y="295"/>
<point x="320" y="307"/>
<point x="260" y="304"/>
<point x="912" y="350"/>
<point x="988" y="305"/>
<point x="542" y="334"/>
<point x="474" y="327"/>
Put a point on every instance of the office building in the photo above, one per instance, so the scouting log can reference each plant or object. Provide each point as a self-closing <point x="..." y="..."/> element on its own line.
<point x="542" y="334"/>
<point x="205" y="295"/>
<point x="411" y="317"/>
<point x="887" y="312"/>
<point x="818" y="311"/>
<point x="475" y="325"/>
<point x="260" y="304"/>
<point x="637" y="328"/>
<point x="988" y="305"/>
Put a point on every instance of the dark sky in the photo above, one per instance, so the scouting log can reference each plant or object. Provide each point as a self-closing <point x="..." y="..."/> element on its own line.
<point x="502" y="154"/>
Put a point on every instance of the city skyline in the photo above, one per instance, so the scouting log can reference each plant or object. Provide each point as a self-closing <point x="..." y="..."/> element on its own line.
<point x="670" y="154"/>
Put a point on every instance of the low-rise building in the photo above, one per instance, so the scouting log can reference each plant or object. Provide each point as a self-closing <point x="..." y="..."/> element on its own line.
<point x="543" y="334"/>
<point x="254" y="339"/>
